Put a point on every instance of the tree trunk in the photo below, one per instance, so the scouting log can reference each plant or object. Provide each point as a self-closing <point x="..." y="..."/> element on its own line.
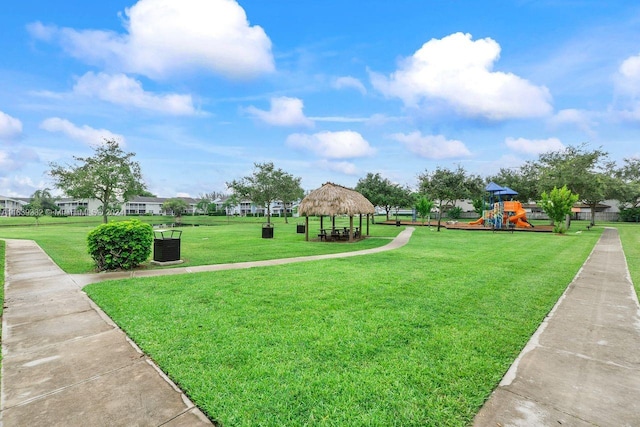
<point x="439" y="216"/>
<point x="593" y="214"/>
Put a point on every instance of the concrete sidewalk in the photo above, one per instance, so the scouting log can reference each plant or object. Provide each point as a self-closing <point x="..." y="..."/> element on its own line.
<point x="582" y="366"/>
<point x="65" y="363"/>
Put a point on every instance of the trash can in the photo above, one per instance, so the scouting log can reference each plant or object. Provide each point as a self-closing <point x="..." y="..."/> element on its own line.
<point x="300" y="229"/>
<point x="267" y="231"/>
<point x="166" y="245"/>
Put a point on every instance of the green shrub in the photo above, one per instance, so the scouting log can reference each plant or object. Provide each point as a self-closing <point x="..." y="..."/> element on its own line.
<point x="120" y="245"/>
<point x="455" y="212"/>
<point x="630" y="214"/>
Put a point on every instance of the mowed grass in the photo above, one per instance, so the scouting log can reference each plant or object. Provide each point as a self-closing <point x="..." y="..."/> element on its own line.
<point x="2" y="251"/>
<point x="630" y="236"/>
<point x="217" y="241"/>
<point x="411" y="337"/>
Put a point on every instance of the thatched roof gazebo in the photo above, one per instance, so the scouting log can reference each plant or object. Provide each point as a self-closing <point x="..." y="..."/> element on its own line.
<point x="331" y="200"/>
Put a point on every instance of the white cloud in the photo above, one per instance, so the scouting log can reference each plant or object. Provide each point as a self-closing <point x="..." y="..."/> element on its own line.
<point x="457" y="72"/>
<point x="432" y="146"/>
<point x="349" y="82"/>
<point x="284" y="112"/>
<point x="629" y="76"/>
<point x="583" y="120"/>
<point x="123" y="90"/>
<point x="346" y="168"/>
<point x="13" y="160"/>
<point x="10" y="127"/>
<point x="534" y="146"/>
<point x="627" y="83"/>
<point x="167" y="37"/>
<point x="19" y="186"/>
<point x="332" y="145"/>
<point x="85" y="134"/>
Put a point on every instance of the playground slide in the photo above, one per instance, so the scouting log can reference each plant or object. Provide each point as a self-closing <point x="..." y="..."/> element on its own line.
<point x="520" y="219"/>
<point x="478" y="221"/>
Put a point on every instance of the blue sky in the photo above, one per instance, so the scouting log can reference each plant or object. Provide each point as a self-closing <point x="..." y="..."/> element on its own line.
<point x="328" y="90"/>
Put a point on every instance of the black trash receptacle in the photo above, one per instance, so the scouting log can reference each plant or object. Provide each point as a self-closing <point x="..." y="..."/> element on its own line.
<point x="267" y="231"/>
<point x="166" y="245"/>
<point x="300" y="228"/>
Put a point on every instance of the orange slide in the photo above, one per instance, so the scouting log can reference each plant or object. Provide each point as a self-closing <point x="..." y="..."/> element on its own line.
<point x="520" y="215"/>
<point x="520" y="219"/>
<point x="479" y="221"/>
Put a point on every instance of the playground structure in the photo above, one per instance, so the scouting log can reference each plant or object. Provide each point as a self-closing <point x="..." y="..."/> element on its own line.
<point x="505" y="214"/>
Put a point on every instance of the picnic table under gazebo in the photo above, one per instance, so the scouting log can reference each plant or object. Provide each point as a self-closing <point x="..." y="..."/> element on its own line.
<point x="331" y="200"/>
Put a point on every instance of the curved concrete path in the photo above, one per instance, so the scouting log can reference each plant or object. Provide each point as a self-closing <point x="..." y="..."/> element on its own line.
<point x="84" y="279"/>
<point x="65" y="363"/>
<point x="582" y="366"/>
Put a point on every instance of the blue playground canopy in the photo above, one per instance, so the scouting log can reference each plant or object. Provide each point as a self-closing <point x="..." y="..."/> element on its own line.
<point x="492" y="187"/>
<point x="506" y="191"/>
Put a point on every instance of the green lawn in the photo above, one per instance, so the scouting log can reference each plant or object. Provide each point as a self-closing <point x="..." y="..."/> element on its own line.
<point x="2" y="248"/>
<point x="630" y="236"/>
<point x="416" y="336"/>
<point x="216" y="241"/>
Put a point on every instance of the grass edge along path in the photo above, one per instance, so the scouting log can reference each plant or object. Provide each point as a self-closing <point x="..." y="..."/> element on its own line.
<point x="2" y="268"/>
<point x="630" y="237"/>
<point x="219" y="243"/>
<point x="416" y="336"/>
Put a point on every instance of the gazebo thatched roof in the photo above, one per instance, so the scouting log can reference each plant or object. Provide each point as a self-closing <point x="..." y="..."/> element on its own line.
<point x="332" y="199"/>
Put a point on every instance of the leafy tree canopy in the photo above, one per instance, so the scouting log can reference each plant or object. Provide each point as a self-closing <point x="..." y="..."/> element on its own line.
<point x="557" y="204"/>
<point x="445" y="186"/>
<point x="110" y="176"/>
<point x="424" y="207"/>
<point x="176" y="206"/>
<point x="266" y="185"/>
<point x="379" y="191"/>
<point x="588" y="173"/>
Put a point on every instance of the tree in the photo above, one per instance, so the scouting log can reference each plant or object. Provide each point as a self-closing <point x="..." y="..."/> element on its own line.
<point x="206" y="203"/>
<point x="587" y="173"/>
<point x="35" y="209"/>
<point x="266" y="185"/>
<point x="557" y="204"/>
<point x="40" y="203"/>
<point x="176" y="206"/>
<point x="44" y="200"/>
<point x="289" y="191"/>
<point x="524" y="180"/>
<point x="445" y="187"/>
<point x="628" y="192"/>
<point x="400" y="197"/>
<point x="229" y="204"/>
<point x="379" y="191"/>
<point x="424" y="207"/>
<point x="145" y="193"/>
<point x="110" y="176"/>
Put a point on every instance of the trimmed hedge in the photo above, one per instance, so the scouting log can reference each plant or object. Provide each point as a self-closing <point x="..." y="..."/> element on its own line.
<point x="120" y="245"/>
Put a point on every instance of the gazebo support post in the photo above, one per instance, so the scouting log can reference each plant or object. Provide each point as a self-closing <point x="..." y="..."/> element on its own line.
<point x="321" y="226"/>
<point x="367" y="225"/>
<point x="333" y="222"/>
<point x="360" y="225"/>
<point x="306" y="228"/>
<point x="350" y="228"/>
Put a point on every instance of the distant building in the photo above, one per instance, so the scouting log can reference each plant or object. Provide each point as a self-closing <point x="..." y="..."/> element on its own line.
<point x="12" y="206"/>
